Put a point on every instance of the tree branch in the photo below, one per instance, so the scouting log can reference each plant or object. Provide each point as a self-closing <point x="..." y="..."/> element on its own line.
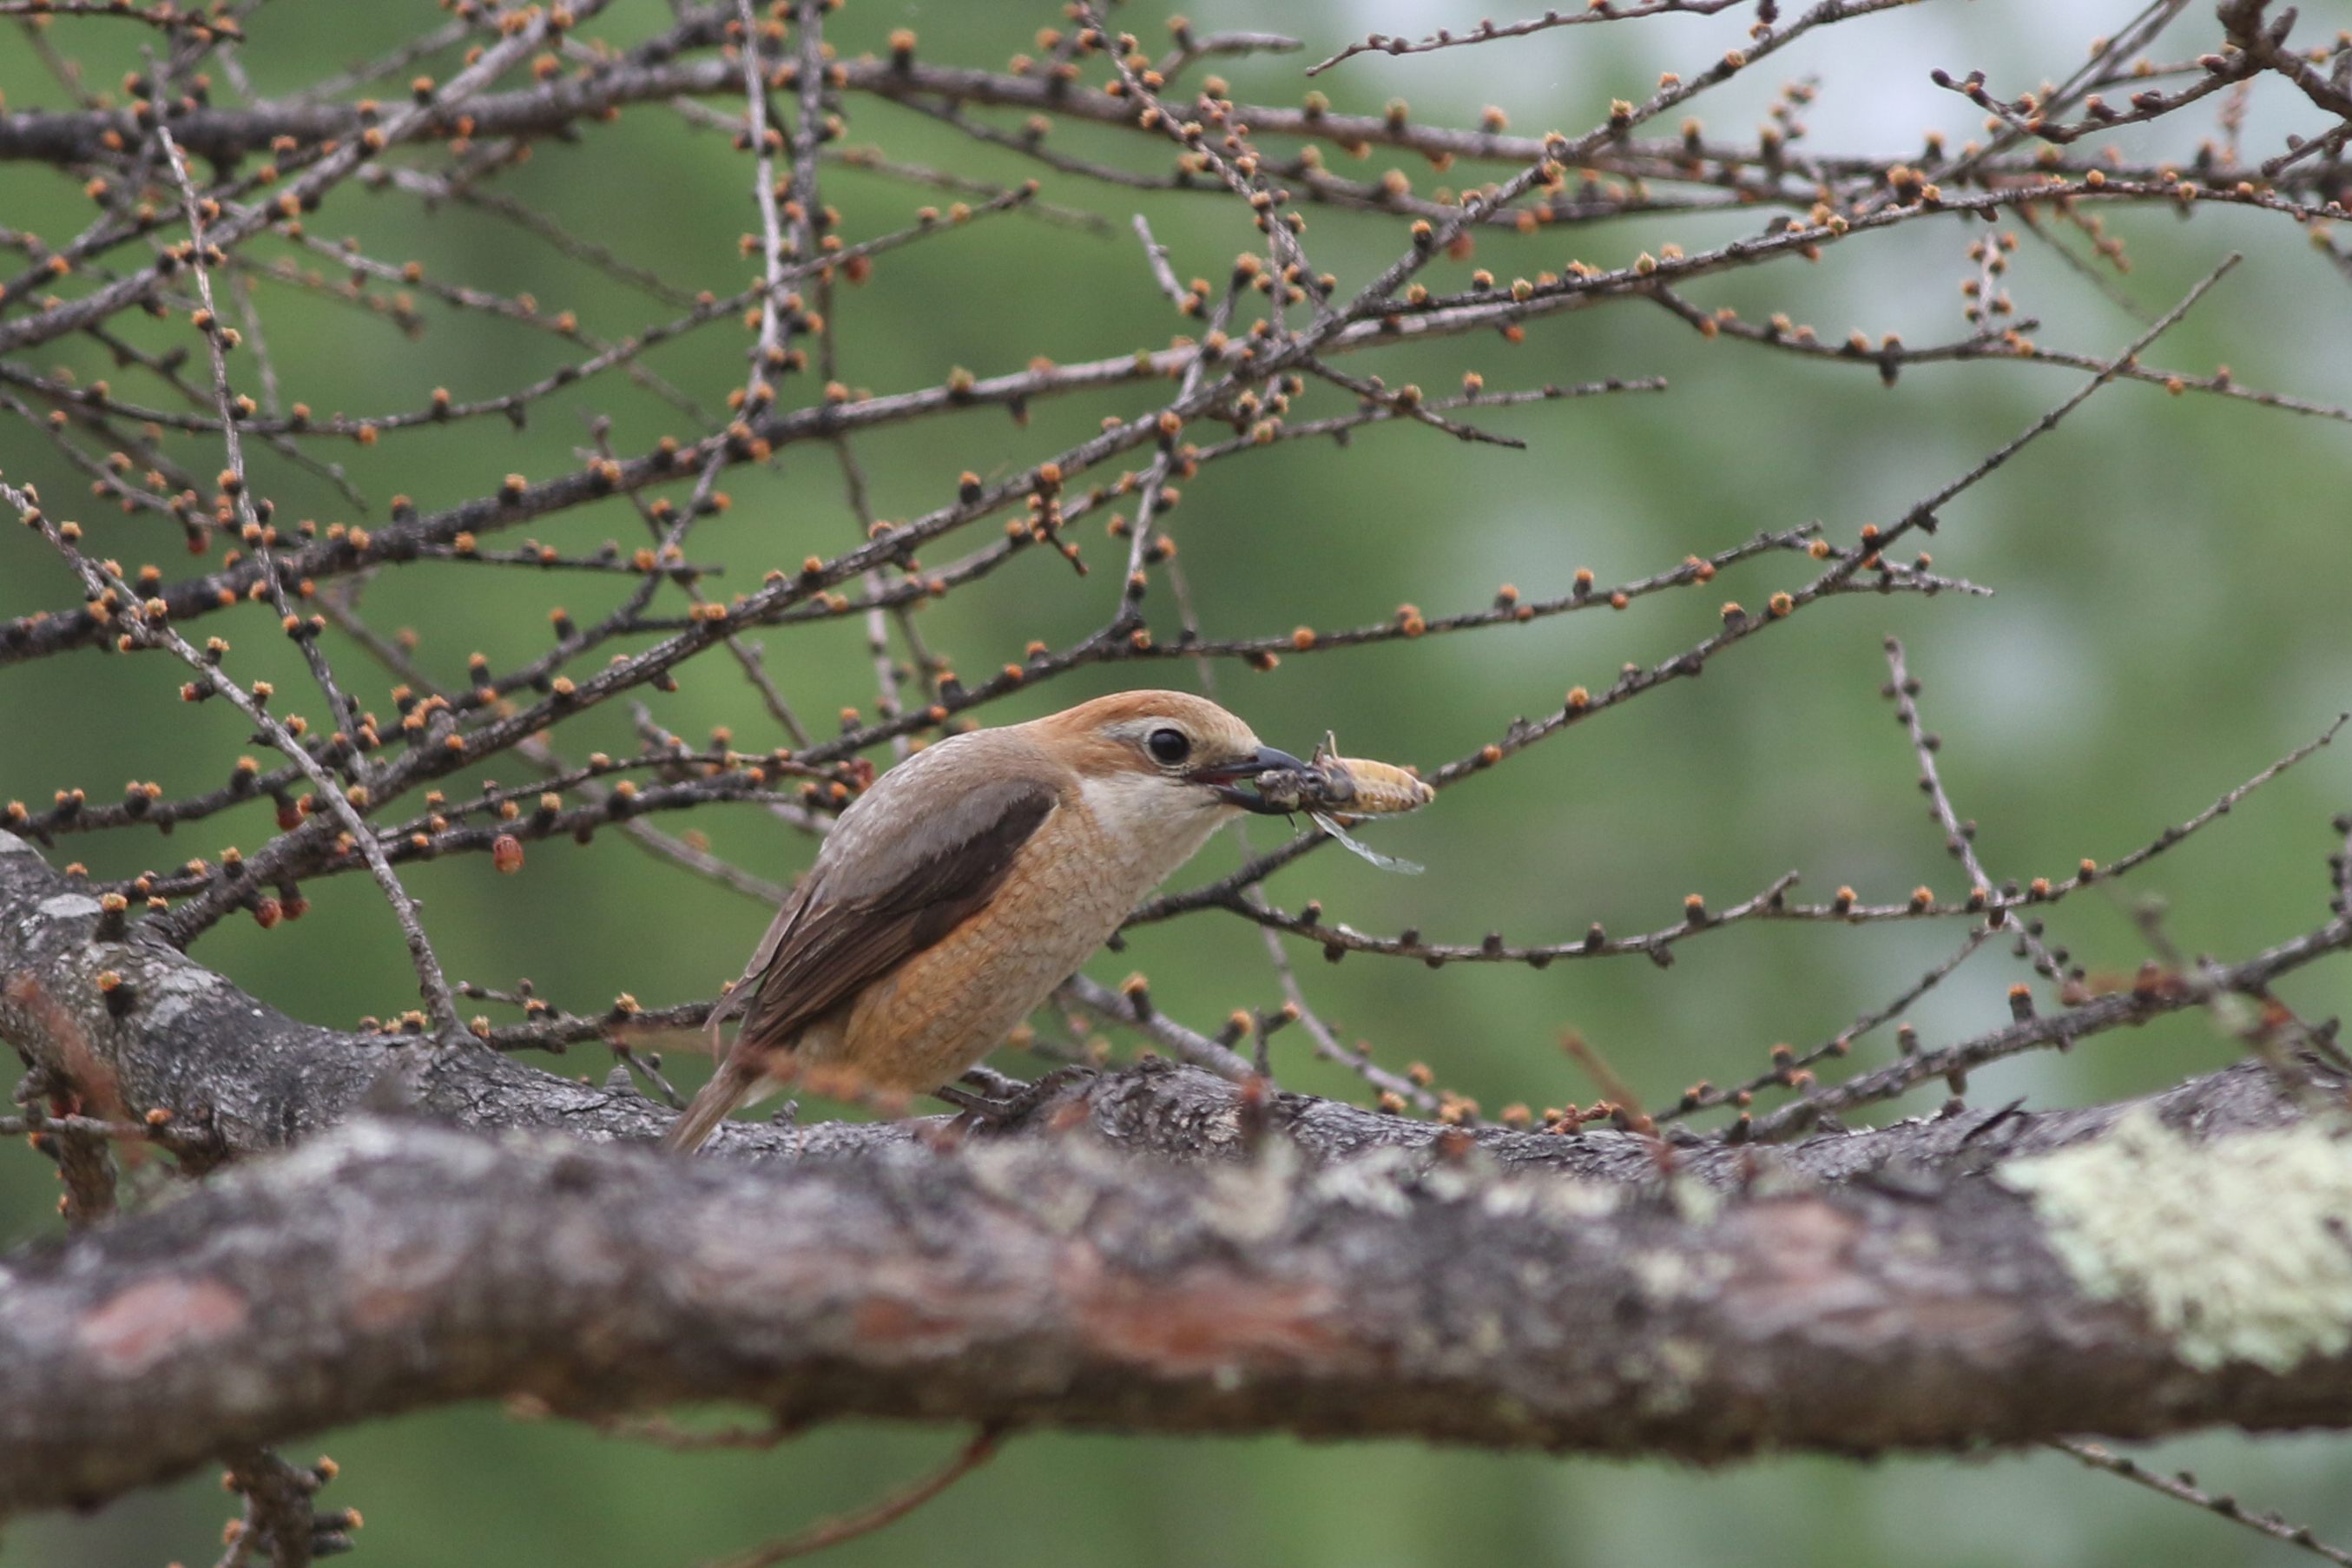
<point x="1040" y="1281"/>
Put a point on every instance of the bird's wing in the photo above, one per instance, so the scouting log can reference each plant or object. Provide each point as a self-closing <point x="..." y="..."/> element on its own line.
<point x="884" y="898"/>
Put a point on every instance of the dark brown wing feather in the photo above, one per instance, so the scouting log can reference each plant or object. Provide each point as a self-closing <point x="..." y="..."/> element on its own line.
<point x="832" y="944"/>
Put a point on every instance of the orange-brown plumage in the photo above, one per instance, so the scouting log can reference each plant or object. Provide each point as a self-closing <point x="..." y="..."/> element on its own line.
<point x="952" y="897"/>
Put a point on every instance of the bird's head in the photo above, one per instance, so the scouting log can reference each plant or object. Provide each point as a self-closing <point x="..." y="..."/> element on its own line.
<point x="1169" y="753"/>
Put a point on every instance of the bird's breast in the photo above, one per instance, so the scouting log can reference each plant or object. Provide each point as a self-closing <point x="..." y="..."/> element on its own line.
<point x="1071" y="885"/>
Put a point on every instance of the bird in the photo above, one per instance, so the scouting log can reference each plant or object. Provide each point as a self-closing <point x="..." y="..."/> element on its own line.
<point x="965" y="884"/>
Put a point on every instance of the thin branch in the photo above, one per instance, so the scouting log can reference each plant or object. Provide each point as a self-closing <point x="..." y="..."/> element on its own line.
<point x="1487" y="32"/>
<point x="1960" y="837"/>
<point x="1923" y="514"/>
<point x="2150" y="996"/>
<point x="875" y="1515"/>
<point x="1185" y="1045"/>
<point x="2183" y="1487"/>
<point x="1164" y="274"/>
<point x="1790" y="1071"/>
<point x="150" y="630"/>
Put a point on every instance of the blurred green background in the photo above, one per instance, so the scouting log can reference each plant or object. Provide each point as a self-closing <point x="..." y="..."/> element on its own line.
<point x="2170" y="616"/>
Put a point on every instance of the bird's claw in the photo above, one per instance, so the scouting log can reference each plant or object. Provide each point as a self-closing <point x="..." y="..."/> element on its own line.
<point x="1015" y="1101"/>
<point x="994" y="1084"/>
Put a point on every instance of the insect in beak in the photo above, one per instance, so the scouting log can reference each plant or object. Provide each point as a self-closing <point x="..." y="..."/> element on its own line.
<point x="1223" y="776"/>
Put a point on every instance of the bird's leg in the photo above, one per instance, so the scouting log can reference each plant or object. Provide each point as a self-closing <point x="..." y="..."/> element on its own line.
<point x="976" y="1109"/>
<point x="997" y="1103"/>
<point x="1021" y="1100"/>
<point x="989" y="1082"/>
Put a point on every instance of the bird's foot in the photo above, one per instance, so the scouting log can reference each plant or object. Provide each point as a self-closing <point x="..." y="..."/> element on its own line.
<point x="994" y="1084"/>
<point x="1015" y="1101"/>
<point x="973" y="1110"/>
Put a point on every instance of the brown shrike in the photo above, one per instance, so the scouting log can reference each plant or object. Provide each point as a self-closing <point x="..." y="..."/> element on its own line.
<point x="970" y="880"/>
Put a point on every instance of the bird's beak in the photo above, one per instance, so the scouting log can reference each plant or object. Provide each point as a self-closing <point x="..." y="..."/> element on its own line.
<point x="1222" y="776"/>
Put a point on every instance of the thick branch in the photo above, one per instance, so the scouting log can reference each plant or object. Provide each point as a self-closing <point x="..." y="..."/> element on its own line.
<point x="1044" y="1280"/>
<point x="1161" y="1250"/>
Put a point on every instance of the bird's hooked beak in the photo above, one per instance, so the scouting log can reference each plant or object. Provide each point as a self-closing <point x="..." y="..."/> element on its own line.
<point x="1221" y="778"/>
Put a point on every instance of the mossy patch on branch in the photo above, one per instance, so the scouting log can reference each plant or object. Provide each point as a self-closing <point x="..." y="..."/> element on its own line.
<point x="2236" y="1248"/>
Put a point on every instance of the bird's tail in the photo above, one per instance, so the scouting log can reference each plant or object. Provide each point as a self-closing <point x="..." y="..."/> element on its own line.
<point x="730" y="1087"/>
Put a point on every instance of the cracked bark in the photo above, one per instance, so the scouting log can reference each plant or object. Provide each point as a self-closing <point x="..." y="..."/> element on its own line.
<point x="1147" y="1254"/>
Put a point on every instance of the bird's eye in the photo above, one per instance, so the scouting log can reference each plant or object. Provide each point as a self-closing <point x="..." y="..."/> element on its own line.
<point x="1169" y="747"/>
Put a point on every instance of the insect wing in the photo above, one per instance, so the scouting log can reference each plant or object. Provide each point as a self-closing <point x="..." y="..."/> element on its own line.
<point x="1385" y="862"/>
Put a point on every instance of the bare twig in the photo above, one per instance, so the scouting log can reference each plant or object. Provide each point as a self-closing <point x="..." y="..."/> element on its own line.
<point x="1488" y="31"/>
<point x="876" y="1515"/>
<point x="2183" y="1487"/>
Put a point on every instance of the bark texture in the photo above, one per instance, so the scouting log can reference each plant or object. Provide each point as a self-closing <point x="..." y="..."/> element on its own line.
<point x="1052" y="1280"/>
<point x="1154" y="1250"/>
